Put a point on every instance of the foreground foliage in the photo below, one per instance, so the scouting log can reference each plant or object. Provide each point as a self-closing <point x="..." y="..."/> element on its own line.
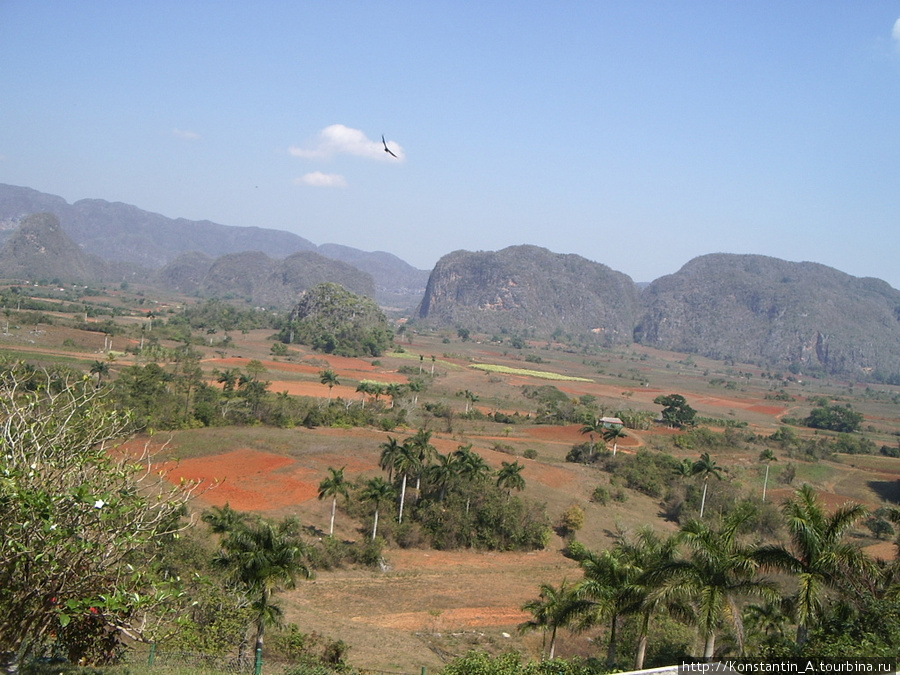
<point x="481" y="663"/>
<point x="82" y="526"/>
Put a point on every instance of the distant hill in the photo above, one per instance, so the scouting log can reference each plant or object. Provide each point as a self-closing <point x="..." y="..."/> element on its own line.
<point x="757" y="309"/>
<point x="39" y="249"/>
<point x="530" y="290"/>
<point x="123" y="233"/>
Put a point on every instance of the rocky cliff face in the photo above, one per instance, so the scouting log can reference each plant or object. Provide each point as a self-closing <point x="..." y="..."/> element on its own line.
<point x="764" y="310"/>
<point x="530" y="289"/>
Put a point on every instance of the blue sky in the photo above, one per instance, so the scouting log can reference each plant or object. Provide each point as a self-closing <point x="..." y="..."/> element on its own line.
<point x="637" y="134"/>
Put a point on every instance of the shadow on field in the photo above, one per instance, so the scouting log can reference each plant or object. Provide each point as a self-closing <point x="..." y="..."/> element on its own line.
<point x="889" y="490"/>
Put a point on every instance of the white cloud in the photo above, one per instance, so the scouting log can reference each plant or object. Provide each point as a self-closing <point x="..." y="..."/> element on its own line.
<point x="338" y="139"/>
<point x="896" y="32"/>
<point x="319" y="179"/>
<point x="185" y="135"/>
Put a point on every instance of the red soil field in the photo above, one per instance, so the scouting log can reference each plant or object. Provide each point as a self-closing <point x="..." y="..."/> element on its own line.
<point x="247" y="480"/>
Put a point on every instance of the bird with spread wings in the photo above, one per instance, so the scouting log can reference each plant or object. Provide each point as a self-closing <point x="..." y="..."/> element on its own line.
<point x="386" y="148"/>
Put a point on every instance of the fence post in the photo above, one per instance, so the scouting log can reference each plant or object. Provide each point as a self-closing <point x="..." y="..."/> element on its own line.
<point x="257" y="668"/>
<point x="152" y="657"/>
<point x="423" y="670"/>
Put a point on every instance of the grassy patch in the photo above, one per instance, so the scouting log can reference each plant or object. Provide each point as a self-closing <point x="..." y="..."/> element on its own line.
<point x="506" y="370"/>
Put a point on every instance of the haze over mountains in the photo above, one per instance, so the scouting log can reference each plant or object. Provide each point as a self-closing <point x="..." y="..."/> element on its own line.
<point x="800" y="316"/>
<point x="148" y="242"/>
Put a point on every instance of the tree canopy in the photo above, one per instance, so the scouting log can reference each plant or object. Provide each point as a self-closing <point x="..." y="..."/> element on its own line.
<point x="835" y="417"/>
<point x="676" y="411"/>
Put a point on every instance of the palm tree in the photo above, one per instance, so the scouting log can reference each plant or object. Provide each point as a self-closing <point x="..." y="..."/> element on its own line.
<point x="333" y="486"/>
<point x="420" y="442"/>
<point x="767" y="456"/>
<point x="390" y="451"/>
<point x="471" y="469"/>
<point x="223" y="519"/>
<point x="685" y="469"/>
<point x="819" y="556"/>
<point x="415" y="386"/>
<point x="99" y="368"/>
<point x="261" y="559"/>
<point x="395" y="391"/>
<point x="594" y="426"/>
<point x="228" y="379"/>
<point x="706" y="467"/>
<point x="329" y="378"/>
<point x="364" y="387"/>
<point x="509" y="477"/>
<point x="470" y="399"/>
<point x="377" y="491"/>
<point x="405" y="464"/>
<point x="614" y="433"/>
<point x="647" y="553"/>
<point x="719" y="570"/>
<point x="552" y="610"/>
<point x="442" y="474"/>
<point x="608" y="576"/>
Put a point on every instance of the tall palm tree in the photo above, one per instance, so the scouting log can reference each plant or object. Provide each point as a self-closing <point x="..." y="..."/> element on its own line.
<point x="819" y="556"/>
<point x="377" y="491"/>
<point x="420" y="442"/>
<point x="647" y="553"/>
<point x="332" y="486"/>
<point x="608" y="576"/>
<point x="593" y="426"/>
<point x="509" y="477"/>
<point x="390" y="451"/>
<point x="613" y="434"/>
<point x="555" y="608"/>
<point x="406" y="464"/>
<point x="470" y="397"/>
<point x="767" y="456"/>
<point x="329" y="377"/>
<point x="395" y="391"/>
<point x="719" y="570"/>
<point x="415" y="386"/>
<point x="471" y="469"/>
<point x="365" y="388"/>
<point x="442" y="474"/>
<point x="260" y="560"/>
<point x="706" y="467"/>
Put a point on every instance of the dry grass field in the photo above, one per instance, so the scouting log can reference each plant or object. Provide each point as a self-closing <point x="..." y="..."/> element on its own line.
<point x="427" y="605"/>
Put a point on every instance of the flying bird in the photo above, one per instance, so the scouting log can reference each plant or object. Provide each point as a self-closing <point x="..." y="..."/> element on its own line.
<point x="386" y="148"/>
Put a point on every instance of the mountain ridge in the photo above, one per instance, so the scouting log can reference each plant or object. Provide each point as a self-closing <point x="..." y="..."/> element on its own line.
<point x="123" y="233"/>
<point x="803" y="316"/>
